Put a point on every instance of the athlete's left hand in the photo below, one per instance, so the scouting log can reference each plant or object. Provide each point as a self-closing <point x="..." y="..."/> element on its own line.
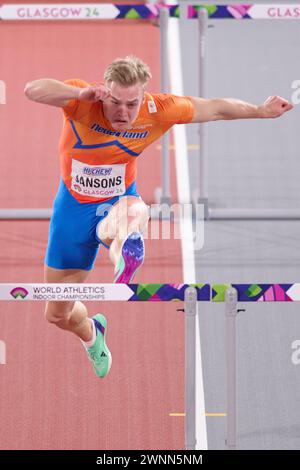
<point x="274" y="107"/>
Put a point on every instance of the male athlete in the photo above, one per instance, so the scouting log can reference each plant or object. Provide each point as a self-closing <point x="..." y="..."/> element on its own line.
<point x="106" y="127"/>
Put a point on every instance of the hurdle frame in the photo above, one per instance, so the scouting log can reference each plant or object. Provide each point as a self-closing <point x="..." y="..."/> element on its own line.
<point x="230" y="294"/>
<point x="201" y="195"/>
<point x="162" y="194"/>
<point x="189" y="294"/>
<point x="190" y="310"/>
<point x="230" y="345"/>
<point x="190" y="304"/>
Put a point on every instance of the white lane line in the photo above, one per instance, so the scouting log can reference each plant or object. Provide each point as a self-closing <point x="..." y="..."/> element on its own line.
<point x="186" y="228"/>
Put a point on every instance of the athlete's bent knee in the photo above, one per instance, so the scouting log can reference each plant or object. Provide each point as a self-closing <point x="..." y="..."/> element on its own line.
<point x="140" y="221"/>
<point x="57" y="314"/>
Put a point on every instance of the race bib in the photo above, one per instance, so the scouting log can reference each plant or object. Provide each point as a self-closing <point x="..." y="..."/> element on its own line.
<point x="101" y="181"/>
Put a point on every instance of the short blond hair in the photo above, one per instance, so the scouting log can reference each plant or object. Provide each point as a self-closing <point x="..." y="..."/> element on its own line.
<point x="128" y="71"/>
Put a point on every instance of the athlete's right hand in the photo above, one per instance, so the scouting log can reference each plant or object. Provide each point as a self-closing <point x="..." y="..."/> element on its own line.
<point x="94" y="93"/>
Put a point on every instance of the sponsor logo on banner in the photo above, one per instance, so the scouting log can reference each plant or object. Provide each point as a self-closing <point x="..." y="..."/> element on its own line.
<point x="65" y="292"/>
<point x="279" y="12"/>
<point x="83" y="292"/>
<point x="19" y="293"/>
<point x="102" y="181"/>
<point x="94" y="11"/>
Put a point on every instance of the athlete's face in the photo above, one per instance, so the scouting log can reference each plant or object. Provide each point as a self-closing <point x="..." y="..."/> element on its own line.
<point x="122" y="107"/>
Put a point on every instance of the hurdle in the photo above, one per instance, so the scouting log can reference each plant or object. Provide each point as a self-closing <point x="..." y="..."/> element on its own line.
<point x="97" y="12"/>
<point x="162" y="12"/>
<point x="230" y="294"/>
<point x="206" y="12"/>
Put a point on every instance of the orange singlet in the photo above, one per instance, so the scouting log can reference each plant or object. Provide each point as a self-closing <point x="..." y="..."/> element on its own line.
<point x="97" y="162"/>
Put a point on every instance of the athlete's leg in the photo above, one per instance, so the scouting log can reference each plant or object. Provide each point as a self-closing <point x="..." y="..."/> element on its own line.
<point x="71" y="252"/>
<point x="71" y="316"/>
<point x="130" y="214"/>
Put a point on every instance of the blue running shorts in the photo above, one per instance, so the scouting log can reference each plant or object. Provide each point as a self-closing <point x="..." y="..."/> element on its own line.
<point x="73" y="243"/>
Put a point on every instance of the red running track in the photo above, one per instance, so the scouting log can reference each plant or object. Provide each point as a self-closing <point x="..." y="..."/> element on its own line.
<point x="50" y="398"/>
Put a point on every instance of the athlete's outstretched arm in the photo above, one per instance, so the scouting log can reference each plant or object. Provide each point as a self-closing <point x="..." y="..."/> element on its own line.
<point x="228" y="108"/>
<point x="56" y="93"/>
